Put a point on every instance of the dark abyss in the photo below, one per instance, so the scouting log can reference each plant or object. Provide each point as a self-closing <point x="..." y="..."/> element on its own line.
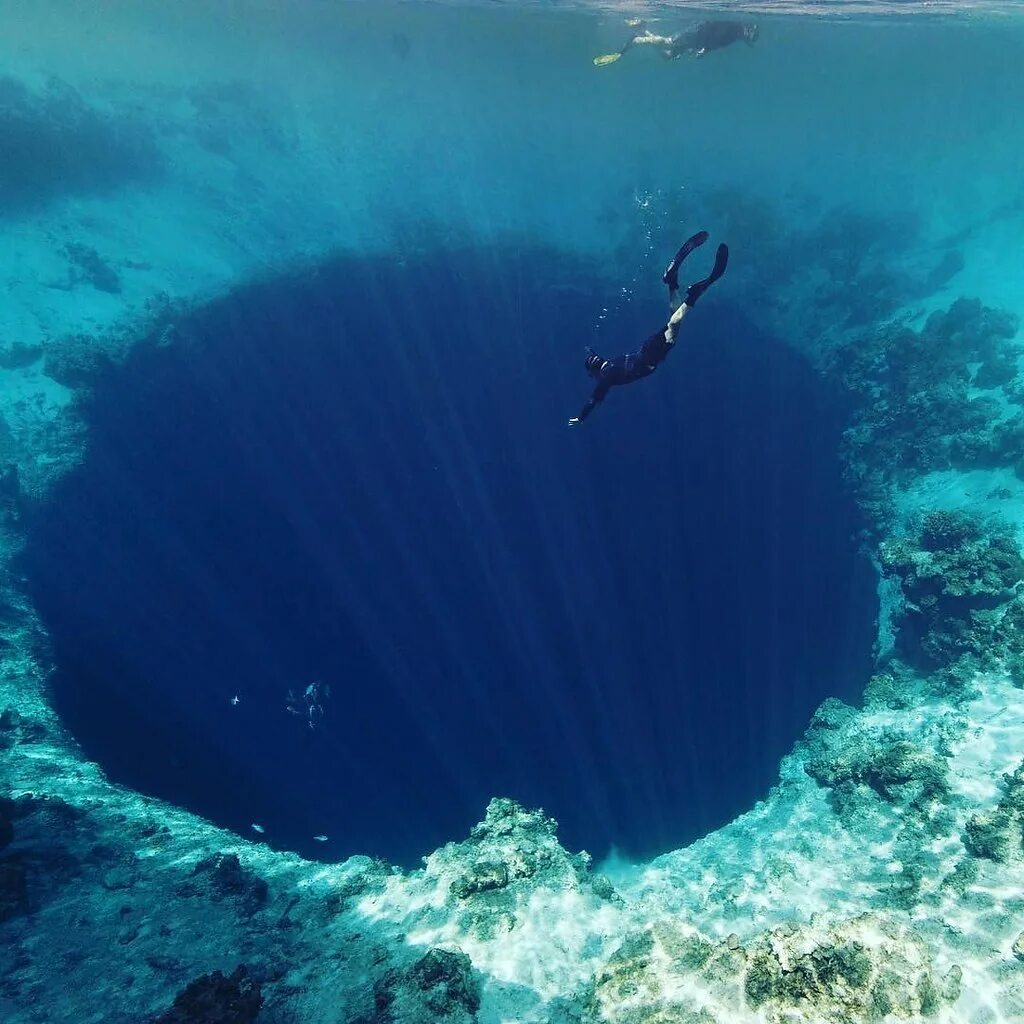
<point x="364" y="476"/>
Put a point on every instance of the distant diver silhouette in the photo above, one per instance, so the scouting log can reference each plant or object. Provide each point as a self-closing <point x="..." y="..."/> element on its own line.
<point x="310" y="705"/>
<point x="635" y="365"/>
<point x="695" y="42"/>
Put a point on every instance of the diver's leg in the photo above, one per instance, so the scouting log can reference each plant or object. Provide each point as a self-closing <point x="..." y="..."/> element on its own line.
<point x="672" y="327"/>
<point x="648" y="38"/>
<point x="693" y="293"/>
<point x="643" y="37"/>
<point x="671" y="275"/>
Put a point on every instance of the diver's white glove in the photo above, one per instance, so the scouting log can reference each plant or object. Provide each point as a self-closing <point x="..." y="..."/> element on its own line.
<point x="574" y="422"/>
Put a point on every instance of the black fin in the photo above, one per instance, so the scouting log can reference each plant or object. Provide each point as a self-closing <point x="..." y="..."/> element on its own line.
<point x="671" y="275"/>
<point x="721" y="262"/>
<point x="695" y="291"/>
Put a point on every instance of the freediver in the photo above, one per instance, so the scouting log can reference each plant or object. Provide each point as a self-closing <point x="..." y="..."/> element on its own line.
<point x="311" y="704"/>
<point x="694" y="42"/>
<point x="635" y="365"/>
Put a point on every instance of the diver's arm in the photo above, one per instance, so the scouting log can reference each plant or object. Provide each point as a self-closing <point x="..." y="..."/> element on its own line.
<point x="592" y="402"/>
<point x="647" y="39"/>
<point x="642" y="37"/>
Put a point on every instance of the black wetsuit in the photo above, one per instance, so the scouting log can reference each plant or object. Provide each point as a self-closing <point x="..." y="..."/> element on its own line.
<point x="635" y="365"/>
<point x="708" y="35"/>
<point x="626" y="369"/>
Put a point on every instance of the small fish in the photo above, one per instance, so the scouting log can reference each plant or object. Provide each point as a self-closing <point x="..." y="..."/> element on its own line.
<point x="320" y="839"/>
<point x="258" y="828"/>
<point x="236" y="700"/>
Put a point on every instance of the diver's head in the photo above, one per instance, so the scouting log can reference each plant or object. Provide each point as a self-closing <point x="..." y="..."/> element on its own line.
<point x="594" y="363"/>
<point x="750" y="33"/>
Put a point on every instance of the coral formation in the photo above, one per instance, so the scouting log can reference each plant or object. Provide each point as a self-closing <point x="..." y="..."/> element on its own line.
<point x="440" y="986"/>
<point x="6" y="825"/>
<point x="883" y="760"/>
<point x="860" y="970"/>
<point x="999" y="834"/>
<point x="76" y="360"/>
<point x="223" y="877"/>
<point x="13" y="889"/>
<point x="88" y="266"/>
<point x="917" y="406"/>
<point x="216" y="999"/>
<point x="508" y="856"/>
<point x="960" y="582"/>
<point x="57" y="143"/>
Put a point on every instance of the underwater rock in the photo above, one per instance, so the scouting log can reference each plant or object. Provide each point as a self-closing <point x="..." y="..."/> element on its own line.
<point x="962" y="877"/>
<point x="51" y="817"/>
<point x="58" y="144"/>
<point x="954" y="577"/>
<point x="883" y="760"/>
<point x="76" y="360"/>
<point x="987" y="835"/>
<point x="46" y="860"/>
<point x="6" y="824"/>
<point x="225" y="878"/>
<point x="13" y="889"/>
<point x="833" y="972"/>
<point x="854" y="972"/>
<point x="10" y="500"/>
<point x="914" y="407"/>
<point x="509" y="855"/>
<point x="440" y="986"/>
<point x="15" y="355"/>
<point x="89" y="267"/>
<point x="362" y="875"/>
<point x="896" y="688"/>
<point x="948" y="530"/>
<point x="1018" y="947"/>
<point x="998" y="835"/>
<point x="482" y="877"/>
<point x="216" y="999"/>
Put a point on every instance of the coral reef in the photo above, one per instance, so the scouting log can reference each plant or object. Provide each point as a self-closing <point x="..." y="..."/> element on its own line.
<point x="87" y="265"/>
<point x="855" y="971"/>
<point x="960" y="581"/>
<point x="917" y="405"/>
<point x="223" y="877"/>
<point x="79" y="361"/>
<point x="998" y="834"/>
<point x="438" y="987"/>
<point x="883" y="760"/>
<point x="216" y="999"/>
<point x="76" y="361"/>
<point x="57" y="143"/>
<point x="508" y="856"/>
<point x="13" y="889"/>
<point x="6" y="825"/>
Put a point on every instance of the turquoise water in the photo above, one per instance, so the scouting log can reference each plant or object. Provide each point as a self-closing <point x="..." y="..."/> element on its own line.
<point x="294" y="304"/>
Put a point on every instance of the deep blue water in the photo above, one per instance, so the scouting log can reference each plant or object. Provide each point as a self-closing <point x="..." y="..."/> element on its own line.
<point x="364" y="476"/>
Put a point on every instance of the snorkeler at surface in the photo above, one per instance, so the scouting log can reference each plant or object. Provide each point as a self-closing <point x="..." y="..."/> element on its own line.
<point x="695" y="42"/>
<point x="635" y="365"/>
